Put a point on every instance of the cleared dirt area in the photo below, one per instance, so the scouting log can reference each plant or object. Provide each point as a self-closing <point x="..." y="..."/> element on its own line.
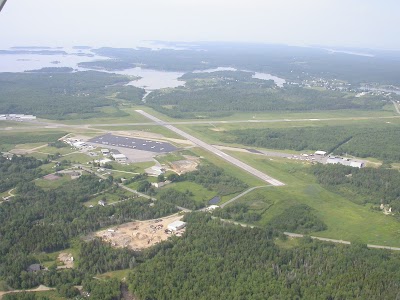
<point x="67" y="259"/>
<point x="51" y="177"/>
<point x="184" y="166"/>
<point x="139" y="234"/>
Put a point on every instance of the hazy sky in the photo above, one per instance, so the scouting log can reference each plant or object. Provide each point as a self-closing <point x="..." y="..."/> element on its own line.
<point x="360" y="23"/>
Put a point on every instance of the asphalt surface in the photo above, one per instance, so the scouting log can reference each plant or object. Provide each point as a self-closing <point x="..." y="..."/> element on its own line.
<point x="132" y="143"/>
<point x="396" y="106"/>
<point x="214" y="150"/>
<point x="43" y="124"/>
<point x="297" y="235"/>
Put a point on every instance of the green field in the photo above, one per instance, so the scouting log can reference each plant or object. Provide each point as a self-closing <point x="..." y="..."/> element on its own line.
<point x="165" y="159"/>
<point x="77" y="158"/>
<point x="132" y="167"/>
<point x="52" y="184"/>
<point x="120" y="274"/>
<point x="54" y="150"/>
<point x="132" y="117"/>
<point x="51" y="295"/>
<point x="345" y="220"/>
<point x="9" y="139"/>
<point x="228" y="168"/>
<point x="200" y="193"/>
<point x="111" y="197"/>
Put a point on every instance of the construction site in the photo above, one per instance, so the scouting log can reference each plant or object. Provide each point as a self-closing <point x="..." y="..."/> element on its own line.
<point x="139" y="235"/>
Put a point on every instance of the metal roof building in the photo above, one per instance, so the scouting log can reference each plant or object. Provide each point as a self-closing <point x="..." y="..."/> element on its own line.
<point x="345" y="162"/>
<point x="177" y="225"/>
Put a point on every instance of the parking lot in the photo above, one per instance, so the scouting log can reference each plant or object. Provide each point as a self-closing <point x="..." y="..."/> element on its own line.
<point x="133" y="143"/>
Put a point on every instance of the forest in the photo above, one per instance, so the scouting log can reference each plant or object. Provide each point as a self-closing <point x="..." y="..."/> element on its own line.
<point x="18" y="170"/>
<point x="380" y="141"/>
<point x="45" y="221"/>
<point x="366" y="185"/>
<point x="298" y="218"/>
<point x="216" y="179"/>
<point x="59" y="95"/>
<point x="290" y="62"/>
<point x="207" y="94"/>
<point x="215" y="260"/>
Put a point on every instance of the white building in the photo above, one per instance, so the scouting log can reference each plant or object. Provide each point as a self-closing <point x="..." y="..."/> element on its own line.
<point x="319" y="152"/>
<point x="119" y="158"/>
<point x="105" y="151"/>
<point x="27" y="117"/>
<point x="212" y="207"/>
<point x="78" y="144"/>
<point x="103" y="161"/>
<point x="345" y="162"/>
<point x="177" y="225"/>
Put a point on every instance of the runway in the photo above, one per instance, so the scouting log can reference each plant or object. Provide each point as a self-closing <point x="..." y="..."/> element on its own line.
<point x="215" y="151"/>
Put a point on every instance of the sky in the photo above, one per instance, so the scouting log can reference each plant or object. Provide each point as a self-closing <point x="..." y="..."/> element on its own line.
<point x="124" y="23"/>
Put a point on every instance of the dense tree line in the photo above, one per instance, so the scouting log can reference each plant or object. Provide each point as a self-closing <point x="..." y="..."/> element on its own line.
<point x="361" y="142"/>
<point x="58" y="95"/>
<point x="24" y="296"/>
<point x="298" y="218"/>
<point x="215" y="179"/>
<point x="103" y="289"/>
<point x="183" y="199"/>
<point x="18" y="170"/>
<point x="52" y="70"/>
<point x="38" y="220"/>
<point x="129" y="93"/>
<point x="98" y="257"/>
<point x="234" y="92"/>
<point x="238" y="212"/>
<point x="216" y="260"/>
<point x="366" y="185"/>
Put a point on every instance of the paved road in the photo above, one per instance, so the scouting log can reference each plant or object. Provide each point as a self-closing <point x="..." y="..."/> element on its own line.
<point x="119" y="184"/>
<point x="214" y="150"/>
<point x="396" y="106"/>
<point x="296" y="235"/>
<point x="241" y="195"/>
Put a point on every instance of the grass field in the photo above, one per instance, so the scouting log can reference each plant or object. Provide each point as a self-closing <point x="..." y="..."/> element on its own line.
<point x="345" y="219"/>
<point x="15" y="124"/>
<point x="9" y="139"/>
<point x="386" y="111"/>
<point x="133" y="168"/>
<point x="200" y="194"/>
<point x="52" y="184"/>
<point x="132" y="117"/>
<point x="169" y="157"/>
<point x="54" y="150"/>
<point x="77" y="158"/>
<point x="120" y="274"/>
<point x="28" y="146"/>
<point x="228" y="168"/>
<point x="110" y="197"/>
